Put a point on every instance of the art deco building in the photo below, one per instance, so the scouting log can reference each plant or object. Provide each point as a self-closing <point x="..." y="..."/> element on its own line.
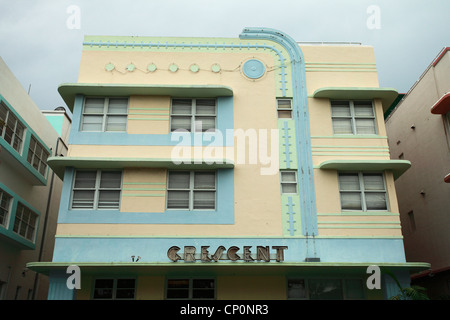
<point x="227" y="168"/>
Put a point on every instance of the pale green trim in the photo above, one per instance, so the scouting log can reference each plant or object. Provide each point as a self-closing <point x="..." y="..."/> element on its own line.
<point x="145" y="183"/>
<point x="362" y="147"/>
<point x="340" y="63"/>
<point x="224" y="236"/>
<point x="143" y="195"/>
<point x="162" y="109"/>
<point x="359" y="227"/>
<point x="144" y="189"/>
<point x="152" y="119"/>
<point x="338" y="70"/>
<point x="149" y="113"/>
<point x="355" y="136"/>
<point x="317" y="153"/>
<point x="359" y="222"/>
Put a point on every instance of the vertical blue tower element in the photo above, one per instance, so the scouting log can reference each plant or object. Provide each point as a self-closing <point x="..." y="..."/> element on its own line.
<point x="300" y="107"/>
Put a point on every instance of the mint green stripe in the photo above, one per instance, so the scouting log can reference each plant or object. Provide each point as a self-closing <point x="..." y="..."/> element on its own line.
<point x="162" y="109"/>
<point x="351" y="154"/>
<point x="362" y="147"/>
<point x="350" y="137"/>
<point x="145" y="183"/>
<point x="359" y="227"/>
<point x="152" y="119"/>
<point x="340" y="63"/>
<point x="143" y="195"/>
<point x="144" y="189"/>
<point x="359" y="222"/>
<point x="150" y="114"/>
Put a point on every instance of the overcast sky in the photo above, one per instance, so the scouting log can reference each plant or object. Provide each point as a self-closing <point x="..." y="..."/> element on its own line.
<point x="42" y="51"/>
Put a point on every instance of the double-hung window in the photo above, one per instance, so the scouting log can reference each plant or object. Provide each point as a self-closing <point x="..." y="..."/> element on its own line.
<point x="25" y="222"/>
<point x="284" y="108"/>
<point x="193" y="115"/>
<point x="105" y="114"/>
<point x="191" y="190"/>
<point x="114" y="289"/>
<point x="190" y="289"/>
<point x="5" y="204"/>
<point x="11" y="129"/>
<point x="362" y="191"/>
<point x="288" y="181"/>
<point x="97" y="189"/>
<point x="353" y="117"/>
<point x="37" y="156"/>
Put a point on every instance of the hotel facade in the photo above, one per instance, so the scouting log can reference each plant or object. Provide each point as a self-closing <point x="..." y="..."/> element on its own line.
<point x="226" y="168"/>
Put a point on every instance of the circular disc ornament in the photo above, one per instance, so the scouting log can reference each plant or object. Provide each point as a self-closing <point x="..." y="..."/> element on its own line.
<point x="109" y="67"/>
<point x="254" y="69"/>
<point x="151" y="67"/>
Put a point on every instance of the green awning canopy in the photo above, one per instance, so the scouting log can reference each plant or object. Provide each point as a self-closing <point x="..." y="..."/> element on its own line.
<point x="68" y="91"/>
<point x="386" y="95"/>
<point x="59" y="164"/>
<point x="270" y="268"/>
<point x="398" y="167"/>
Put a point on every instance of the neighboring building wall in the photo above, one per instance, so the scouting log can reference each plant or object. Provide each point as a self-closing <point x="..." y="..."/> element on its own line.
<point x="423" y="138"/>
<point x="22" y="184"/>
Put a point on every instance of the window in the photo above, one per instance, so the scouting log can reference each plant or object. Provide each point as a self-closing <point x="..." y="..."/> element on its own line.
<point x="37" y="156"/>
<point x="97" y="190"/>
<point x="26" y="222"/>
<point x="5" y="203"/>
<point x="325" y="289"/>
<point x="115" y="289"/>
<point x="191" y="190"/>
<point x="284" y="108"/>
<point x="193" y="115"/>
<point x="362" y="191"/>
<point x="11" y="129"/>
<point x="288" y="182"/>
<point x="105" y="114"/>
<point x="190" y="289"/>
<point x="353" y="117"/>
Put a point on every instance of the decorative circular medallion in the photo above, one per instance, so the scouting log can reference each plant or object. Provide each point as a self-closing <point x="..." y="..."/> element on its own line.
<point x="194" y="68"/>
<point x="131" y="67"/>
<point x="173" y="67"/>
<point x="109" y="67"/>
<point x="254" y="69"/>
<point x="215" y="68"/>
<point x="151" y="67"/>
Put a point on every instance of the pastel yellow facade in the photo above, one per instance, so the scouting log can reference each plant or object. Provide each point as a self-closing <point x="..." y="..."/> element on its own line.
<point x="262" y="205"/>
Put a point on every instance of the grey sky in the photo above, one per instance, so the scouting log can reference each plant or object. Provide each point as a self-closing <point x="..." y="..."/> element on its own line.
<point x="42" y="51"/>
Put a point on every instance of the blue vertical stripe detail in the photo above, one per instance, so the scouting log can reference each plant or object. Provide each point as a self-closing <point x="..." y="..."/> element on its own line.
<point x="286" y="145"/>
<point x="291" y="217"/>
<point x="301" y="116"/>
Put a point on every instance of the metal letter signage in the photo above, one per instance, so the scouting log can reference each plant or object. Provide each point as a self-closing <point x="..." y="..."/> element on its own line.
<point x="262" y="254"/>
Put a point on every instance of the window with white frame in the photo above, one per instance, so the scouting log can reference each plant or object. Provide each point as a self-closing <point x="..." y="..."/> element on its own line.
<point x="353" y="117"/>
<point x="191" y="190"/>
<point x="105" y="114"/>
<point x="5" y="204"/>
<point x="190" y="288"/>
<point x="37" y="156"/>
<point x="11" y="129"/>
<point x="114" y="289"/>
<point x="288" y="181"/>
<point x="284" y="108"/>
<point x="193" y="115"/>
<point x="97" y="189"/>
<point x="25" y="222"/>
<point x="362" y="191"/>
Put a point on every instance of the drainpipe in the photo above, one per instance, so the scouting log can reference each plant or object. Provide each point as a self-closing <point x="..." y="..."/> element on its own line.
<point x="44" y="230"/>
